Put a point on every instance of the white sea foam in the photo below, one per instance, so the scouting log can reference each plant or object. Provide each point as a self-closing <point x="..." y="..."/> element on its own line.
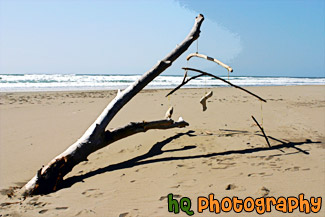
<point x="54" y="82"/>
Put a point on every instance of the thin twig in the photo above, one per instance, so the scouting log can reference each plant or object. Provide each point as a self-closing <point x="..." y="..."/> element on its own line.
<point x="261" y="128"/>
<point x="216" y="77"/>
<point x="183" y="83"/>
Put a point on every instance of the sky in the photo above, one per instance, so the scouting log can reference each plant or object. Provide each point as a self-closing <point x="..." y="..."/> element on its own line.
<point x="254" y="37"/>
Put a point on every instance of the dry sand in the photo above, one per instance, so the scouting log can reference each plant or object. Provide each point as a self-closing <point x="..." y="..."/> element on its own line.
<point x="221" y="149"/>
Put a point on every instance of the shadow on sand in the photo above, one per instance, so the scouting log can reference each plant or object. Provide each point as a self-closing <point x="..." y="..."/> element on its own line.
<point x="157" y="150"/>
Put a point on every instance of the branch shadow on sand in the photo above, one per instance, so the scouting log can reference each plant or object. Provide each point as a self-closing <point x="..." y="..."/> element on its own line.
<point x="156" y="150"/>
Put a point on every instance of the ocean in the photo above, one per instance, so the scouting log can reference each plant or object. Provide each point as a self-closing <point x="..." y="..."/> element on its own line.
<point x="64" y="82"/>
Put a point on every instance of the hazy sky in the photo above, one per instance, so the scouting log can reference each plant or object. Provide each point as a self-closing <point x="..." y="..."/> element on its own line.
<point x="276" y="38"/>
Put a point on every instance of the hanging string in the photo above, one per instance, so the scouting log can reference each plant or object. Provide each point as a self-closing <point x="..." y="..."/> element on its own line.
<point x="188" y="73"/>
<point x="261" y="113"/>
<point x="205" y="84"/>
<point x="169" y="102"/>
<point x="205" y="79"/>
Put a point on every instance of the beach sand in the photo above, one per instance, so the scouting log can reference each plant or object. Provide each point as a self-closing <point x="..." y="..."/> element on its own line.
<point x="221" y="152"/>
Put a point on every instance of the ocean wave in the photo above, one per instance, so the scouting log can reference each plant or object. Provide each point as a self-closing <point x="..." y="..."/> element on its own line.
<point x="54" y="82"/>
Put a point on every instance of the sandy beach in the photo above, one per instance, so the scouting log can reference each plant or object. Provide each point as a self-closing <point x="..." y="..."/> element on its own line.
<point x="222" y="151"/>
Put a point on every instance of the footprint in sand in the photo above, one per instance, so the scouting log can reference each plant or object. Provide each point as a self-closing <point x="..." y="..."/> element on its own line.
<point x="230" y="187"/>
<point x="228" y="164"/>
<point x="85" y="211"/>
<point x="204" y="161"/>
<point x="174" y="196"/>
<point x="292" y="169"/>
<point x="216" y="168"/>
<point x="255" y="174"/>
<point x="92" y="193"/>
<point x="91" y="189"/>
<point x="264" y="191"/>
<point x="43" y="211"/>
<point x="61" y="208"/>
<point x="269" y="157"/>
<point x="34" y="202"/>
<point x="273" y="164"/>
<point x="259" y="174"/>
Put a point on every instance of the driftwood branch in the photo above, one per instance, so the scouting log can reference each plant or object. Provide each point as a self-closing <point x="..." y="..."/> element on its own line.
<point x="112" y="109"/>
<point x="169" y="112"/>
<point x="95" y="138"/>
<point x="261" y="128"/>
<point x="221" y="79"/>
<point x="139" y="127"/>
<point x="211" y="59"/>
<point x="204" y="99"/>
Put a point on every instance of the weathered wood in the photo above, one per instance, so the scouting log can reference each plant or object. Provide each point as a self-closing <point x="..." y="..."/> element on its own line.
<point x="112" y="109"/>
<point x="169" y="112"/>
<point x="261" y="128"/>
<point x="211" y="59"/>
<point x="204" y="99"/>
<point x="95" y="138"/>
<point x="138" y="127"/>
<point x="221" y="79"/>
